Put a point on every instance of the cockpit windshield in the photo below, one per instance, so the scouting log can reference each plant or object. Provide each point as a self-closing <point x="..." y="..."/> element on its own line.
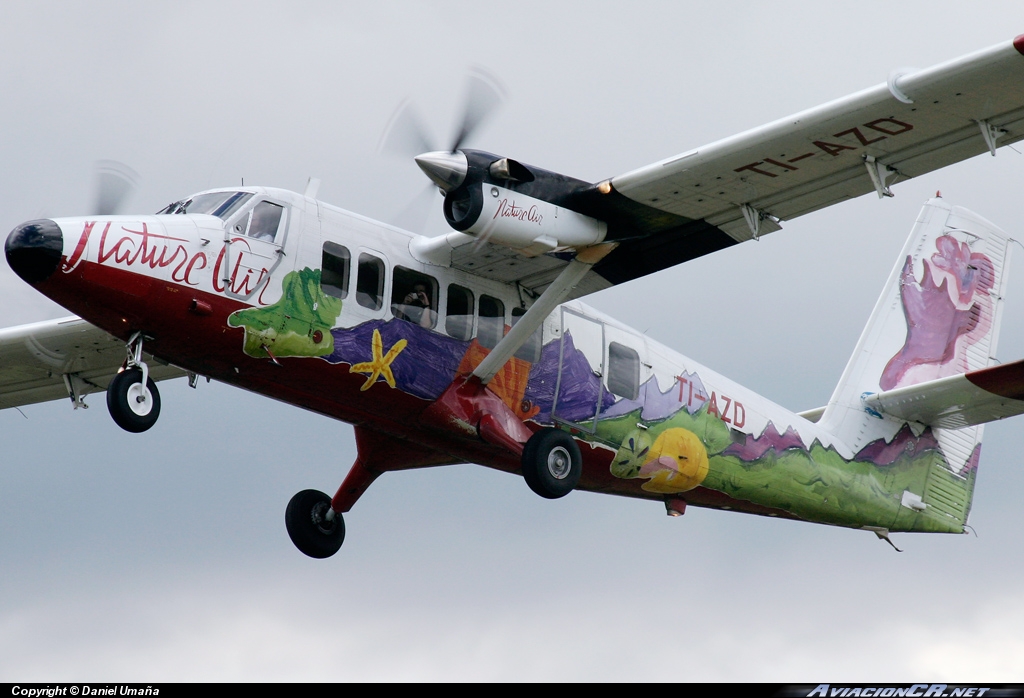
<point x="221" y="203"/>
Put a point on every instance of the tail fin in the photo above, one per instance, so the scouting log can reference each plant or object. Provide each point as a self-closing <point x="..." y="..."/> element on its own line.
<point x="938" y="316"/>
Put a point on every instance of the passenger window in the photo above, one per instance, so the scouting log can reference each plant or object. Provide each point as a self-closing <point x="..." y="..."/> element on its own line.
<point x="458" y="322"/>
<point x="414" y="297"/>
<point x="370" y="282"/>
<point x="492" y="322"/>
<point x="334" y="270"/>
<point x="623" y="371"/>
<point x="530" y="351"/>
<point x="262" y="222"/>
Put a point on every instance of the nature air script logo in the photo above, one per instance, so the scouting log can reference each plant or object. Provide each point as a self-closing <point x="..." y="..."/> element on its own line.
<point x="509" y="209"/>
<point x="947" y="311"/>
<point x="297" y="325"/>
<point x="234" y="270"/>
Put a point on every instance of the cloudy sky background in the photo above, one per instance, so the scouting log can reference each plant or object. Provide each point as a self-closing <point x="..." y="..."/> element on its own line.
<point x="163" y="556"/>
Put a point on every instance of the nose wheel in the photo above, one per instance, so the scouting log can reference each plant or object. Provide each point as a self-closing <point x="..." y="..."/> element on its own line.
<point x="315" y="528"/>
<point x="132" y="398"/>
<point x="134" y="405"/>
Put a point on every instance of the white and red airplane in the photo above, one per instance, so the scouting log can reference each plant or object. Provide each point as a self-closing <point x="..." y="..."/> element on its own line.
<point x="473" y="347"/>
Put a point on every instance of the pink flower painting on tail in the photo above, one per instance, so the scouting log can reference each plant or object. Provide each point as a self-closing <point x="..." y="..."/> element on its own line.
<point x="946" y="312"/>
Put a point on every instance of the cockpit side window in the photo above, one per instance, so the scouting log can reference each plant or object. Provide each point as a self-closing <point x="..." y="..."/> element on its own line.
<point x="262" y="222"/>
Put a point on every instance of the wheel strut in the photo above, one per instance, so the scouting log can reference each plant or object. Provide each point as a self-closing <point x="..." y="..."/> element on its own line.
<point x="134" y="348"/>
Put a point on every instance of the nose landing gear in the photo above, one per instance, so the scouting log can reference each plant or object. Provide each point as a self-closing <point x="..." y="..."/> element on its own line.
<point x="132" y="398"/>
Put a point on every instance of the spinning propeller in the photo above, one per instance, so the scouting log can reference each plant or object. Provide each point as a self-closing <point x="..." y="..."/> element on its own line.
<point x="492" y="198"/>
<point x="115" y="181"/>
<point x="406" y="137"/>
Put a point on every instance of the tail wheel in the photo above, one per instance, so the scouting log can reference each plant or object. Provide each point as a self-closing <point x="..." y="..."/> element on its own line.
<point x="134" y="406"/>
<point x="552" y="463"/>
<point x="306" y="519"/>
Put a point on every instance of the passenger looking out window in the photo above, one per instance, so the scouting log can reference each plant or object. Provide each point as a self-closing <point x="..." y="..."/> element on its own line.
<point x="413" y="297"/>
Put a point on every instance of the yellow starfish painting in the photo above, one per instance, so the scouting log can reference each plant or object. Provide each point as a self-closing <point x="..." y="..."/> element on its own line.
<point x="380" y="365"/>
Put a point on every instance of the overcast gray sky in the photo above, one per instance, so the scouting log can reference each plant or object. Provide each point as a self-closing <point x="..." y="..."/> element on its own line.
<point x="163" y="556"/>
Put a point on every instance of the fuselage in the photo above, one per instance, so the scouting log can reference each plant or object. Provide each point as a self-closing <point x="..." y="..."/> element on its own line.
<point x="303" y="302"/>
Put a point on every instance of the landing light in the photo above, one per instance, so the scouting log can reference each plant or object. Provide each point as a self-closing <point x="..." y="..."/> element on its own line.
<point x="675" y="507"/>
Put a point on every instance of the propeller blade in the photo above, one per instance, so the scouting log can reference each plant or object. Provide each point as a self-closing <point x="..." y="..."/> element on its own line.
<point x="405" y="135"/>
<point x="415" y="215"/>
<point x="115" y="181"/>
<point x="484" y="94"/>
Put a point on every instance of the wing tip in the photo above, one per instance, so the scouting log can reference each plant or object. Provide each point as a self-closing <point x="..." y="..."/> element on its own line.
<point x="1018" y="44"/>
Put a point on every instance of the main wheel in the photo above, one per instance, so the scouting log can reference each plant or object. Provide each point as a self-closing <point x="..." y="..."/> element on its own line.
<point x="133" y="406"/>
<point x="308" y="527"/>
<point x="552" y="463"/>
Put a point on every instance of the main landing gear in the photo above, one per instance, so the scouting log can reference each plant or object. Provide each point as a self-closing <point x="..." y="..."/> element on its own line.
<point x="552" y="463"/>
<point x="132" y="398"/>
<point x="314" y="527"/>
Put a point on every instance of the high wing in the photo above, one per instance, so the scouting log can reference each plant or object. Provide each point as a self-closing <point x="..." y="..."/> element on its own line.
<point x="741" y="187"/>
<point x="59" y="359"/>
<point x="734" y="189"/>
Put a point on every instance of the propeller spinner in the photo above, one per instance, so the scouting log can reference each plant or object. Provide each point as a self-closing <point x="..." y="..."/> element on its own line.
<point x="445" y="169"/>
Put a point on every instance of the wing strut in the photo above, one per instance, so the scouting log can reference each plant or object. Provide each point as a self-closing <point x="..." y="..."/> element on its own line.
<point x="469" y="407"/>
<point x="553" y="295"/>
<point x="991" y="134"/>
<point x="880" y="173"/>
<point x="78" y="388"/>
<point x="759" y="221"/>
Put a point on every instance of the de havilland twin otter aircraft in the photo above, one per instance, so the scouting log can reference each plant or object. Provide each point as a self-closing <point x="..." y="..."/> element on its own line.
<point x="472" y="347"/>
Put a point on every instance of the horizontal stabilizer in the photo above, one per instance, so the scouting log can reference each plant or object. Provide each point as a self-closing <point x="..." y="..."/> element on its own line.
<point x="956" y="401"/>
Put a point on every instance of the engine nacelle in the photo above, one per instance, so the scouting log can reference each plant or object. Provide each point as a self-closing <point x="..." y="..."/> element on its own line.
<point x="505" y="217"/>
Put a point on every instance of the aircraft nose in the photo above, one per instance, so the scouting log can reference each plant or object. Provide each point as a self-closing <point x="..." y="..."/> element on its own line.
<point x="34" y="250"/>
